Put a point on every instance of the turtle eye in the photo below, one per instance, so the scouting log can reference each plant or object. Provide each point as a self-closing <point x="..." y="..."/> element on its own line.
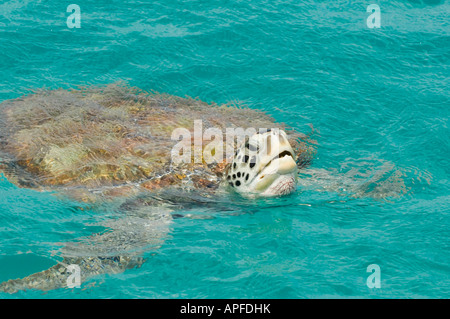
<point x="253" y="148"/>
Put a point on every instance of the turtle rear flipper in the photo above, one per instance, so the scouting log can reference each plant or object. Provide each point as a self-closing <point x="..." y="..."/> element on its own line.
<point x="16" y="174"/>
<point x="113" y="251"/>
<point x="62" y="275"/>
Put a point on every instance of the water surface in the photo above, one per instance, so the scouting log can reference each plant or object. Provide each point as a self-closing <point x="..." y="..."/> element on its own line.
<point x="378" y="102"/>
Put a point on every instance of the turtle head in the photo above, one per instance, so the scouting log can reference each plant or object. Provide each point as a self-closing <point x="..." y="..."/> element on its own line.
<point x="264" y="165"/>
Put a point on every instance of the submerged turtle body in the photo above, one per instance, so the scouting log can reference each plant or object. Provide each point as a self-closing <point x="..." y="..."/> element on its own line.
<point x="99" y="144"/>
<point x="110" y="137"/>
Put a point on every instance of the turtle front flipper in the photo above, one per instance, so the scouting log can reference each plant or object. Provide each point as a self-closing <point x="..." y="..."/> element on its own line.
<point x="377" y="180"/>
<point x="117" y="249"/>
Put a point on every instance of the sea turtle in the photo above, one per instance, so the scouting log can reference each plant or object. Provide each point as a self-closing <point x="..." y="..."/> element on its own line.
<point x="117" y="144"/>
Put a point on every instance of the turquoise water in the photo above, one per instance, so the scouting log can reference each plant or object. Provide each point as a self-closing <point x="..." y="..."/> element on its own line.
<point x="379" y="103"/>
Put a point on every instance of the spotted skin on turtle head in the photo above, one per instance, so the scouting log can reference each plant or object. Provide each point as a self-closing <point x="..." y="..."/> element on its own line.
<point x="264" y="165"/>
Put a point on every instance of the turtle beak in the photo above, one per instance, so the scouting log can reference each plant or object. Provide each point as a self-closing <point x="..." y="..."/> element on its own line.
<point x="286" y="163"/>
<point x="279" y="161"/>
<point x="283" y="165"/>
